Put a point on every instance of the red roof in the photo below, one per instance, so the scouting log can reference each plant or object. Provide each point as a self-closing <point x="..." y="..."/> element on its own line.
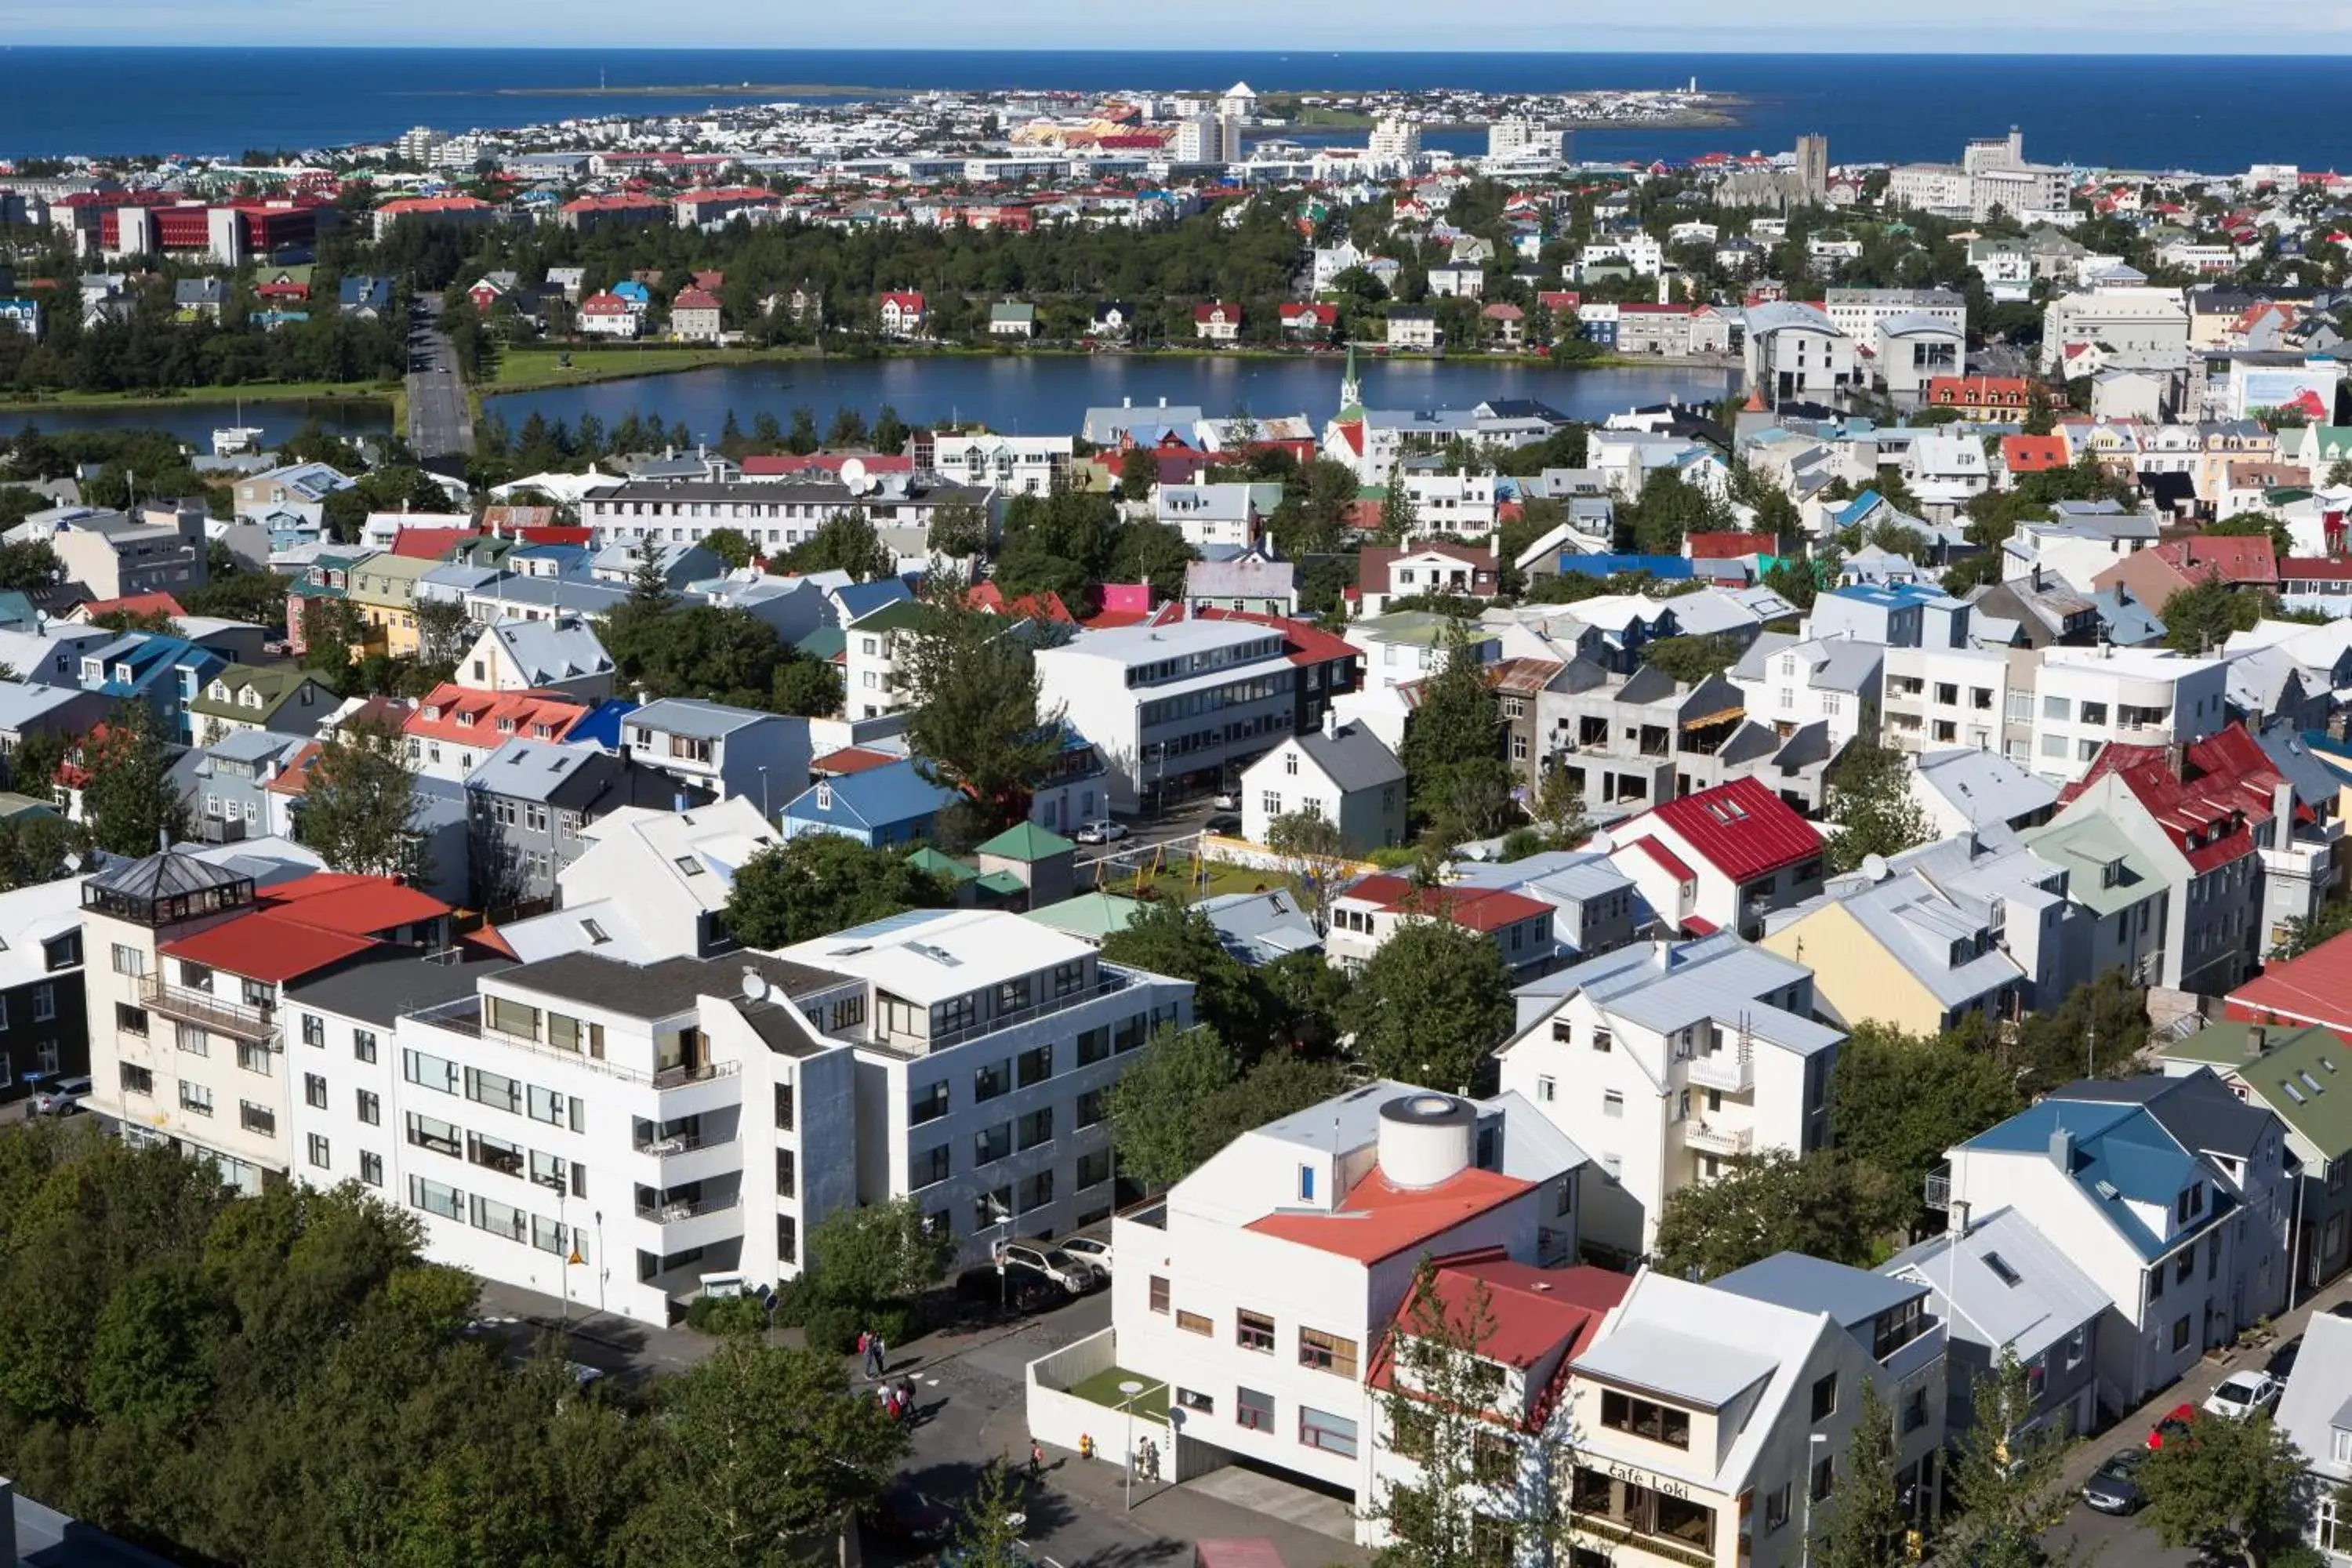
<point x="554" y="534"/>
<point x="2238" y="558"/>
<point x="157" y="603"/>
<point x="1217" y="310"/>
<point x="1324" y="315"/>
<point x="1980" y="391"/>
<point x="2315" y="988"/>
<point x="2315" y="568"/>
<point x="355" y="906"/>
<point x="2209" y="808"/>
<point x="1740" y="828"/>
<point x="905" y="299"/>
<point x="1727" y="546"/>
<point x="1667" y="858"/>
<point x="693" y="300"/>
<point x="307" y="924"/>
<point x="1533" y="1314"/>
<point x="2032" y="454"/>
<point x="428" y="543"/>
<point x="490" y="719"/>
<point x="851" y="759"/>
<point x="1483" y="910"/>
<point x="1041" y="606"/>
<point x="1377" y="1220"/>
<point x="1307" y="643"/>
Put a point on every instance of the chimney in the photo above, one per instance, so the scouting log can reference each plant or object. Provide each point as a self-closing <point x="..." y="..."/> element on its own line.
<point x="2061" y="1150"/>
<point x="1330" y="722"/>
<point x="1960" y="1227"/>
<point x="2257" y="1040"/>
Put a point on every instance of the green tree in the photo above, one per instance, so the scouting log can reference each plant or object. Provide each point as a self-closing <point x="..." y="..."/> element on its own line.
<point x="1824" y="1203"/>
<point x="1399" y="516"/>
<point x="1315" y="861"/>
<point x="989" y="1535"/>
<point x="729" y="545"/>
<point x="976" y="708"/>
<point x="1870" y="801"/>
<point x="2198" y="619"/>
<point x="1139" y="471"/>
<point x="865" y="1255"/>
<point x="1690" y="659"/>
<point x="1454" y="741"/>
<point x="960" y="531"/>
<point x="2232" y="1487"/>
<point x="2098" y="1027"/>
<point x="819" y="883"/>
<point x="763" y="1453"/>
<point x="1902" y="1101"/>
<point x="30" y="565"/>
<point x="2298" y="935"/>
<point x="359" y="808"/>
<point x="844" y="541"/>
<point x="128" y="801"/>
<point x="1169" y="938"/>
<point x="1558" y="811"/>
<point x="1431" y="1007"/>
<point x="1863" y="1523"/>
<point x="2008" y="1475"/>
<point x="1156" y="1107"/>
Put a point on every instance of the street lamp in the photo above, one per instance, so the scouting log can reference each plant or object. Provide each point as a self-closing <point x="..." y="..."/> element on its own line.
<point x="1805" y="1550"/>
<point x="1133" y="1389"/>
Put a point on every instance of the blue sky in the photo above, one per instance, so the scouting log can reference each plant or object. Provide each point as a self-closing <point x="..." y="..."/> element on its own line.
<point x="1678" y="25"/>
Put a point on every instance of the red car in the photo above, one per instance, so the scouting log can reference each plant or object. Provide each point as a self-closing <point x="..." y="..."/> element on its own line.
<point x="2172" y="1426"/>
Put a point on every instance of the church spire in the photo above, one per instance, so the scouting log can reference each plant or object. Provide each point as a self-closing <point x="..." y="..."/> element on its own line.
<point x="1351" y="390"/>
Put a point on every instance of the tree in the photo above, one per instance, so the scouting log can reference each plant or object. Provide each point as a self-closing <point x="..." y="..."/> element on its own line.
<point x="128" y="802"/>
<point x="1863" y="1525"/>
<point x="844" y="541"/>
<point x="2232" y="1487"/>
<point x="2009" y="1484"/>
<point x="975" y="704"/>
<point x="2198" y="619"/>
<point x="359" y="809"/>
<point x="28" y="565"/>
<point x="1824" y="1204"/>
<point x="2298" y="935"/>
<point x="1156" y="1107"/>
<point x="865" y="1255"/>
<point x="762" y="1452"/>
<point x="819" y="883"/>
<point x="729" y="545"/>
<point x="960" y="531"/>
<point x="1431" y="1007"/>
<point x="2098" y="1027"/>
<point x="990" y="1533"/>
<point x="1179" y="942"/>
<point x="890" y="432"/>
<point x="1315" y="861"/>
<point x="1398" y="514"/>
<point x="1557" y="811"/>
<point x="1139" y="471"/>
<point x="1691" y="658"/>
<point x="1870" y="801"/>
<point x="1901" y="1100"/>
<point x="1455" y="736"/>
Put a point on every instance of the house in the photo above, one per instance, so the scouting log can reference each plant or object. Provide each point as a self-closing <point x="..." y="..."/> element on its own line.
<point x="531" y="804"/>
<point x="1427" y="568"/>
<point x="694" y="317"/>
<point x="1211" y="515"/>
<point x="1721" y="858"/>
<point x="1661" y="1060"/>
<point x="1253" y="582"/>
<point x="1341" y="773"/>
<point x="1505" y="325"/>
<point x="2312" y="1414"/>
<point x="726" y="752"/>
<point x="1794" y="353"/>
<point x="1012" y="319"/>
<point x="561" y="653"/>
<point x="1218" y="322"/>
<point x="2133" y="1180"/>
<point x="232" y="776"/>
<point x="2247" y="562"/>
<point x="608" y="315"/>
<point x="1304" y="323"/>
<point x="879" y="807"/>
<point x="901" y="314"/>
<point x="199" y="299"/>
<point x="455" y="728"/>
<point x="1376" y="908"/>
<point x="1832" y="680"/>
<point x="166" y="673"/>
<point x="43" y="1020"/>
<point x="157" y="548"/>
<point x="384" y="594"/>
<point x="2287" y="1071"/>
<point x="1270" y="1276"/>
<point x="2000" y="1287"/>
<point x="1981" y="399"/>
<point x="1413" y="328"/>
<point x="1960" y="788"/>
<point x="276" y="697"/>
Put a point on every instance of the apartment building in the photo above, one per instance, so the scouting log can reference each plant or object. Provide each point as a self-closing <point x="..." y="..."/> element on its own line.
<point x="1661" y="1060"/>
<point x="1795" y="354"/>
<point x="187" y="1044"/>
<point x="2133" y="320"/>
<point x="1631" y="741"/>
<point x="1787" y="683"/>
<point x="2084" y="699"/>
<point x="1258" y="1288"/>
<point x="776" y="515"/>
<point x="1860" y="313"/>
<point x="1936" y="699"/>
<point x="719" y="750"/>
<point x="44" y="1022"/>
<point x="1010" y="465"/>
<point x="1175" y="708"/>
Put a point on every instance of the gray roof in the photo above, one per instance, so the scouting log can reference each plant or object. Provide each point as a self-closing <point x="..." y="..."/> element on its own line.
<point x="1250" y="577"/>
<point x="553" y="650"/>
<point x="660" y="990"/>
<point x="697" y="719"/>
<point x="1850" y="1295"/>
<point x="1985" y="786"/>
<point x="165" y="874"/>
<point x="2199" y="1110"/>
<point x="1352" y="757"/>
<point x="47" y="1539"/>
<point x="534" y="770"/>
<point x="253" y="746"/>
<point x="2318" y="1393"/>
<point x="385" y="982"/>
<point x="2051" y="1298"/>
<point x="1667" y="1361"/>
<point x="1715" y="978"/>
<point x="22" y="704"/>
<point x="1258" y="928"/>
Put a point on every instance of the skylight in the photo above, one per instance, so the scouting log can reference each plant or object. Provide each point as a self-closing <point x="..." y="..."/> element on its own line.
<point x="2291" y="1092"/>
<point x="690" y="865"/>
<point x="2002" y="1270"/>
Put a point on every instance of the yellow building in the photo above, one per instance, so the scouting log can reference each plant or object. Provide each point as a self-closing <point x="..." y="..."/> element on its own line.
<point x="384" y="593"/>
<point x="1902" y="951"/>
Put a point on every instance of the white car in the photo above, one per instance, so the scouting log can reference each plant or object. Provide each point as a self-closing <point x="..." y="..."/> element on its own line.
<point x="1090" y="1249"/>
<point x="1228" y="800"/>
<point x="2244" y="1395"/>
<point x="1074" y="1274"/>
<point x="1103" y="832"/>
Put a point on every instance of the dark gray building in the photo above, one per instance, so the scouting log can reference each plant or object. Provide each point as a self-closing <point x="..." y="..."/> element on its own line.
<point x="529" y="803"/>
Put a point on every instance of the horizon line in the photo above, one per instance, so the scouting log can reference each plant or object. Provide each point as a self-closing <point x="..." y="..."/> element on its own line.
<point x="2186" y="49"/>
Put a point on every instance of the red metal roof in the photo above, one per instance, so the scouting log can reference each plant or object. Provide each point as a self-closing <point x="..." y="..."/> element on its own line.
<point x="2315" y="988"/>
<point x="1307" y="643"/>
<point x="1672" y="862"/>
<point x="2238" y="558"/>
<point x="1727" y="546"/>
<point x="2315" y="568"/>
<point x="136" y="604"/>
<point x="268" y="946"/>
<point x="1533" y="1314"/>
<point x="1377" y="1220"/>
<point x="354" y="905"/>
<point x="1474" y="908"/>
<point x="2032" y="454"/>
<point x="428" y="543"/>
<point x="2210" y="807"/>
<point x="851" y="759"/>
<point x="490" y="719"/>
<point x="1740" y="828"/>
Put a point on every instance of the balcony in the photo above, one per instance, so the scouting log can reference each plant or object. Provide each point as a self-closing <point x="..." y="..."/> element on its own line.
<point x="1731" y="1069"/>
<point x="1712" y="1138"/>
<point x="464" y="1017"/>
<point x="208" y="1012"/>
<point x="682" y="1223"/>
<point x="1031" y="1013"/>
<point x="689" y="1158"/>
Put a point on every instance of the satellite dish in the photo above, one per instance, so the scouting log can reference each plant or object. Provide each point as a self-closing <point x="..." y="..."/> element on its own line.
<point x="853" y="475"/>
<point x="1600" y="843"/>
<point x="755" y="984"/>
<point x="1875" y="868"/>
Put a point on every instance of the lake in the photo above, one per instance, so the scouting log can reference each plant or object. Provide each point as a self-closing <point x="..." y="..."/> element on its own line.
<point x="194" y="422"/>
<point x="1050" y="394"/>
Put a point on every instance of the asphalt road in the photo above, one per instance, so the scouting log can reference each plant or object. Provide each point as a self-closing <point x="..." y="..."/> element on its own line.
<point x="439" y="423"/>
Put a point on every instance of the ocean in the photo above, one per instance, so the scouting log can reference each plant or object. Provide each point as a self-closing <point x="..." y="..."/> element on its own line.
<point x="2213" y="114"/>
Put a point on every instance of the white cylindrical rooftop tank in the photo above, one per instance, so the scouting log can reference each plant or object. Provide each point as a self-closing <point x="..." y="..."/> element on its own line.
<point x="1426" y="1139"/>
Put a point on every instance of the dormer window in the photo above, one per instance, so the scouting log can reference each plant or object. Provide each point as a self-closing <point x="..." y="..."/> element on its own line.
<point x="465" y="721"/>
<point x="122" y="673"/>
<point x="2191" y="1205"/>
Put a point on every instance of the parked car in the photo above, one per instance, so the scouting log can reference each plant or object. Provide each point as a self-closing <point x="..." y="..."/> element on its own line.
<point x="2114" y="1487"/>
<point x="1225" y="823"/>
<point x="61" y="1096"/>
<point x="904" y="1513"/>
<point x="2244" y="1395"/>
<point x="1072" y="1274"/>
<point x="1228" y="800"/>
<point x="1091" y="1249"/>
<point x="2175" y="1425"/>
<point x="1016" y="1285"/>
<point x="2281" y="1364"/>
<point x="1103" y="832"/>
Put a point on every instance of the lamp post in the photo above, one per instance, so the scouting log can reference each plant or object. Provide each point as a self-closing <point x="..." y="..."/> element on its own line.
<point x="1805" y="1548"/>
<point x="1133" y="1389"/>
<point x="763" y="793"/>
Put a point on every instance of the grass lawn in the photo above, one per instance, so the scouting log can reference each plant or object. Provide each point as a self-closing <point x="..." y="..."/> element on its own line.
<point x="1172" y="878"/>
<point x="254" y="392"/>
<point x="524" y="368"/>
<point x="1102" y="1389"/>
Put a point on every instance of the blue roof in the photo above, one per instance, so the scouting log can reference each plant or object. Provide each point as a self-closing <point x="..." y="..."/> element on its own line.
<point x="2128" y="624"/>
<point x="1857" y="509"/>
<point x="864" y="598"/>
<point x="2122" y="1156"/>
<point x="149" y="655"/>
<point x="877" y="797"/>
<point x="1661" y="566"/>
<point x="634" y="291"/>
<point x="1893" y="596"/>
<point x="601" y="725"/>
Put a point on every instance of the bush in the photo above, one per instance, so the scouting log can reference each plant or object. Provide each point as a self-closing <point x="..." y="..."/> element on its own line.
<point x="795" y="1298"/>
<point x="895" y="1324"/>
<point x="725" y="1314"/>
<point x="834" y="1329"/>
<point x="1521" y="842"/>
<point x="1392" y="857"/>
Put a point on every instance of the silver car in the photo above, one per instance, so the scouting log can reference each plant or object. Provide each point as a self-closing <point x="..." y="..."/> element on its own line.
<point x="1089" y="1248"/>
<point x="1072" y="1274"/>
<point x="61" y="1097"/>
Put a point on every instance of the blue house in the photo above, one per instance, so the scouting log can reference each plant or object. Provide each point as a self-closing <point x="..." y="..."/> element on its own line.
<point x="894" y="803"/>
<point x="634" y="293"/>
<point x="601" y="725"/>
<point x="164" y="672"/>
<point x="363" y="296"/>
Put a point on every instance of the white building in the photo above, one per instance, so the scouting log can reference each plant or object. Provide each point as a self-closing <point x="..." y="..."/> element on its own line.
<point x="1341" y="773"/>
<point x="1830" y="681"/>
<point x="2148" y="322"/>
<point x="2086" y="697"/>
<point x="1218" y="513"/>
<point x="1010" y="465"/>
<point x="1663" y="1060"/>
<point x="1794" y="352"/>
<point x="1520" y="138"/>
<point x="1860" y="313"/>
<point x="774" y="515"/>
<point x="1394" y="140"/>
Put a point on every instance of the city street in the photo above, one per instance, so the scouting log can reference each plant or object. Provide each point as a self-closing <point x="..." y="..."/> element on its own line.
<point x="438" y="424"/>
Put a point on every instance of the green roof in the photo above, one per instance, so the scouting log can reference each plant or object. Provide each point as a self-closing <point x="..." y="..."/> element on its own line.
<point x="897" y="615"/>
<point x="1091" y="915"/>
<point x="824" y="643"/>
<point x="2087" y="845"/>
<point x="1028" y="844"/>
<point x="929" y="860"/>
<point x="2293" y="1076"/>
<point x="1003" y="882"/>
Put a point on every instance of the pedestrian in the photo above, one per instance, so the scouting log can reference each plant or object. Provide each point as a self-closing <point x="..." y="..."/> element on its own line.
<point x="865" y="1352"/>
<point x="907" y="1394"/>
<point x="881" y="1356"/>
<point x="1036" y="1459"/>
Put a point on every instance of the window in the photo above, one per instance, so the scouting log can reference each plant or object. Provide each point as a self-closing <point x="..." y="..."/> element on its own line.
<point x="318" y="1151"/>
<point x="430" y="1071"/>
<point x="1645" y="1418"/>
<point x="314" y="1091"/>
<point x="2181" y="1334"/>
<point x="1160" y="1293"/>
<point x="1601" y="1040"/>
<point x="129" y="960"/>
<point x="1612" y="1103"/>
<point x="370" y="1108"/>
<point x="991" y="1081"/>
<point x="1253" y="1410"/>
<point x="1306" y="1184"/>
<point x="432" y="1132"/>
<point x="1194" y="1323"/>
<point x="494" y="1090"/>
<point x="191" y="1039"/>
<point x="1037" y="1066"/>
<point x="1191" y="1400"/>
<point x="364" y="1045"/>
<point x="1035" y="1128"/>
<point x="1825" y="1478"/>
<point x="130" y="1020"/>
<point x="1327" y="1353"/>
<point x="992" y="1143"/>
<point x="372" y="1169"/>
<point x="1776" y="1509"/>
<point x="1825" y="1397"/>
<point x="1915" y="1410"/>
<point x="136" y="1079"/>
<point x="928" y="1167"/>
<point x="314" y="1029"/>
<point x="2057" y="708"/>
<point x="258" y="1120"/>
<point x="1332" y="1434"/>
<point x="1091" y="1108"/>
<point x="1254" y="1331"/>
<point x="253" y="1057"/>
<point x="195" y="1099"/>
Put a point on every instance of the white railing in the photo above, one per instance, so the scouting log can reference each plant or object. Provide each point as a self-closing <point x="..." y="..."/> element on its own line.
<point x="1718" y="1139"/>
<point x="1731" y="1069"/>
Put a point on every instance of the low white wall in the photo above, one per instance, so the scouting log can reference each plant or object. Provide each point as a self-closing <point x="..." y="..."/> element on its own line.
<point x="1061" y="1418"/>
